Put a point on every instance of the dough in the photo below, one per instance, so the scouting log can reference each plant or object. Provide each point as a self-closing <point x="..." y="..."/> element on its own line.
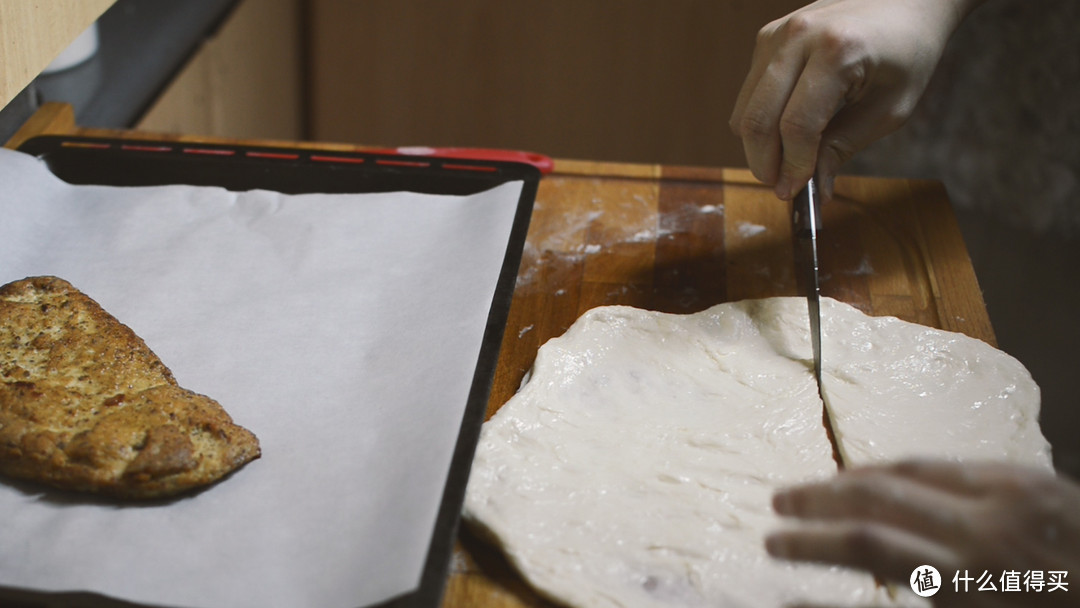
<point x="897" y="389"/>
<point x="636" y="465"/>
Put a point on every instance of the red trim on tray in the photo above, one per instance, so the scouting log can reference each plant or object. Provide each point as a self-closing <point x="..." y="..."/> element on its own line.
<point x="404" y="160"/>
<point x="336" y="159"/>
<point x="85" y="144"/>
<point x="402" y="163"/>
<point x="210" y="151"/>
<point x="485" y="168"/>
<point x="274" y="155"/>
<point x="143" y="148"/>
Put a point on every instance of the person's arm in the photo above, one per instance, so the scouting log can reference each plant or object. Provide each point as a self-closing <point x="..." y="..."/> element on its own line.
<point x="832" y="77"/>
<point x="973" y="518"/>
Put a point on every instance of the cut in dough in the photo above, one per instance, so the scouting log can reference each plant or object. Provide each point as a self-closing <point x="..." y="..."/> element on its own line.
<point x="636" y="465"/>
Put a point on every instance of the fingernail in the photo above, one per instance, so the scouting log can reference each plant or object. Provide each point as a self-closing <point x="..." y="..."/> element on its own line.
<point x="776" y="546"/>
<point x="783" y="189"/>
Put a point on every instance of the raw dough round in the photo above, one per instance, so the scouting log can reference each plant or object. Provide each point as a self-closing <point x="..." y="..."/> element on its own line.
<point x="636" y="465"/>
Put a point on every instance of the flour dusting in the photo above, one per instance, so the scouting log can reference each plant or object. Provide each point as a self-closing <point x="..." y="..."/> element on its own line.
<point x="749" y="229"/>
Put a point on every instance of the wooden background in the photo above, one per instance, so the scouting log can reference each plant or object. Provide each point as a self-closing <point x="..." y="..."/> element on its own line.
<point x="626" y="80"/>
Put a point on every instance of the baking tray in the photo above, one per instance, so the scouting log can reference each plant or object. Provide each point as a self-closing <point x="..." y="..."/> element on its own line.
<point x="121" y="162"/>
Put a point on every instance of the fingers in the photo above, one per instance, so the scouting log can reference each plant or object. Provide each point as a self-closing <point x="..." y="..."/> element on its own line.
<point x="815" y="99"/>
<point x="888" y="519"/>
<point x="872" y="520"/>
<point x="874" y="495"/>
<point x="1009" y="505"/>
<point x="795" y="87"/>
<point x="886" y="552"/>
<point x="761" y="102"/>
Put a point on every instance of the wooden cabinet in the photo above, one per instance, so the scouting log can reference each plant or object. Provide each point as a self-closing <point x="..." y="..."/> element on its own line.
<point x="245" y="80"/>
<point x="642" y="81"/>
<point x="651" y="81"/>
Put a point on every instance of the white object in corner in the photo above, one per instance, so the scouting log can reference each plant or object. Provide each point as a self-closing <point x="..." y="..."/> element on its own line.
<point x="81" y="49"/>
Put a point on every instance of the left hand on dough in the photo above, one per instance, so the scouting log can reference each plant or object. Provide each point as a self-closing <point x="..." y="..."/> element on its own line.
<point x="976" y="517"/>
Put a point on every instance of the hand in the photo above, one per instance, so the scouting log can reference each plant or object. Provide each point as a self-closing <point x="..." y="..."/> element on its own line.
<point x="980" y="517"/>
<point x="832" y="77"/>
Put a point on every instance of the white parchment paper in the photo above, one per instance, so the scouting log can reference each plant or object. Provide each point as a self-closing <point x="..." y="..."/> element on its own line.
<point x="342" y="329"/>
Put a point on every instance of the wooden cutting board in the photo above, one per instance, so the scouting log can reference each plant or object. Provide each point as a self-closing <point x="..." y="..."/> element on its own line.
<point x="679" y="240"/>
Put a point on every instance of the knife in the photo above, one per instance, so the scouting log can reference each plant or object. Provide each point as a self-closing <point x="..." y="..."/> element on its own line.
<point x="806" y="220"/>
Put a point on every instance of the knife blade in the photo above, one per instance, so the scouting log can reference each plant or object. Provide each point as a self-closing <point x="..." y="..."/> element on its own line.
<point x="806" y="220"/>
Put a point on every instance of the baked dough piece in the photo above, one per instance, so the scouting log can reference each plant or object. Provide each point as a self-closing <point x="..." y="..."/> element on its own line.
<point x="636" y="465"/>
<point x="85" y="405"/>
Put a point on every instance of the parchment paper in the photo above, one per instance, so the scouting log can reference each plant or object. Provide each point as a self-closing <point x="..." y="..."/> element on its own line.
<point x="342" y="329"/>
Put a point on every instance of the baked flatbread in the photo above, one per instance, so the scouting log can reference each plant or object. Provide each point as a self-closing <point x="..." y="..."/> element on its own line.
<point x="85" y="405"/>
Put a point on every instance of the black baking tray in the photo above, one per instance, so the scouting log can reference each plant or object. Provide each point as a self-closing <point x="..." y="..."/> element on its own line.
<point x="123" y="162"/>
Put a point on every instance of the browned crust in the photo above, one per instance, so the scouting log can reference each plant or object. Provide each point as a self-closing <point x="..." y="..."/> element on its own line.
<point x="85" y="405"/>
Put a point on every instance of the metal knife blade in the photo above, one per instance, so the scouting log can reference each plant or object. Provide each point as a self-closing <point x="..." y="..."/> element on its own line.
<point x="807" y="221"/>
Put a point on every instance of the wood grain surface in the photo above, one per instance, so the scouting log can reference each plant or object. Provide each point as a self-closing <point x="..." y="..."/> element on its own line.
<point x="32" y="34"/>
<point x="680" y="239"/>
